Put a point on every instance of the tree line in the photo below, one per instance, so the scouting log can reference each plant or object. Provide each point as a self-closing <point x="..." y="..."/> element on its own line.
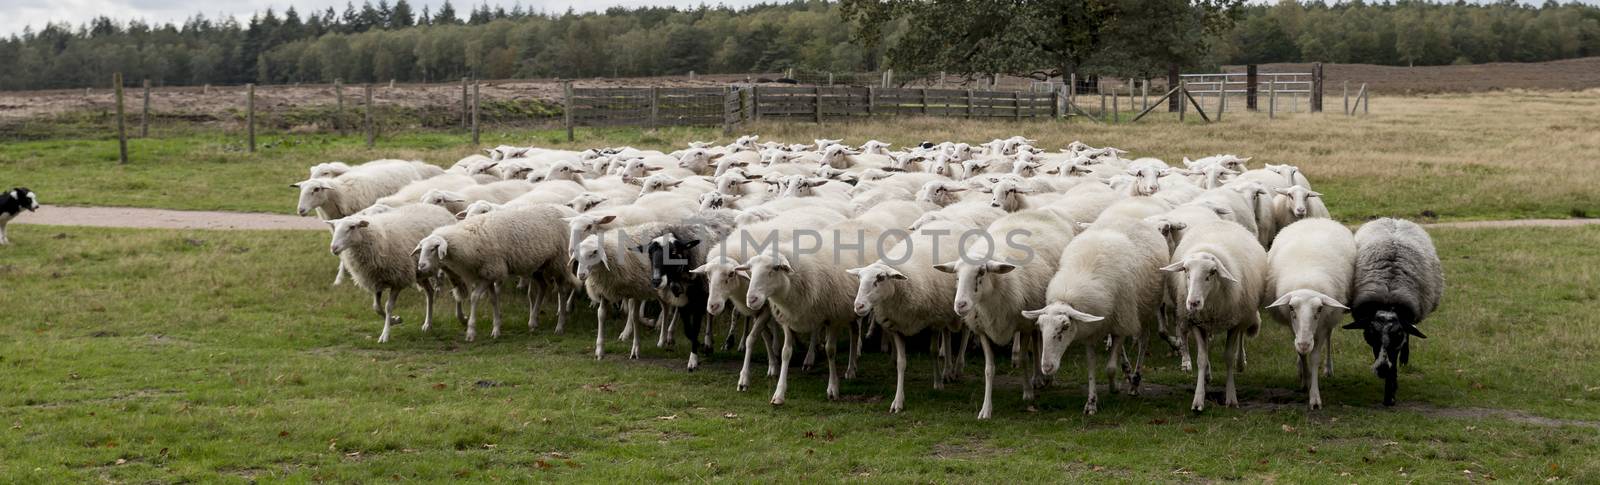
<point x="383" y="41"/>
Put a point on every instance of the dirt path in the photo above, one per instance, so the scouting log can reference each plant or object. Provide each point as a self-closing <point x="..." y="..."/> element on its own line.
<point x="164" y="219"/>
<point x="173" y="219"/>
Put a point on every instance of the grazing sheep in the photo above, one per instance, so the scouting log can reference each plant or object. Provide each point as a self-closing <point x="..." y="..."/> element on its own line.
<point x="1309" y="274"/>
<point x="376" y="249"/>
<point x="486" y="251"/>
<point x="1398" y="283"/>
<point x="1297" y="202"/>
<point x="906" y="295"/>
<point x="613" y="272"/>
<point x="359" y="188"/>
<point x="1002" y="275"/>
<point x="1107" y="284"/>
<point x="12" y="203"/>
<point x="1218" y="273"/>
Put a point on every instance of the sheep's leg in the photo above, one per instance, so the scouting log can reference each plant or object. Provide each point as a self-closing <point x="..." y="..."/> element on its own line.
<point x="939" y="359"/>
<point x="811" y="353"/>
<point x="565" y="310"/>
<point x="1317" y="351"/>
<point x="830" y="346"/>
<point x="3" y="239"/>
<point x="600" y="332"/>
<point x="961" y="353"/>
<point x="1091" y="404"/>
<point x="1303" y="365"/>
<point x="1118" y="356"/>
<point x="472" y="312"/>
<point x="691" y="328"/>
<point x="1327" y="354"/>
<point x="627" y="325"/>
<point x="769" y="336"/>
<point x="634" y="316"/>
<point x="1235" y="359"/>
<point x="899" y="403"/>
<point x="783" y="367"/>
<point x="457" y="289"/>
<point x="1142" y="341"/>
<point x="388" y="315"/>
<point x="338" y="274"/>
<point x="855" y="349"/>
<point x="665" y="318"/>
<point x="535" y="298"/>
<point x="428" y="293"/>
<point x="750" y="347"/>
<point x="494" y="302"/>
<point x="377" y="304"/>
<point x="733" y="331"/>
<point x="1185" y="353"/>
<point x="1202" y="366"/>
<point x="883" y="342"/>
<point x="1030" y="368"/>
<point x="1016" y="349"/>
<point x="988" y="379"/>
<point x="1405" y="354"/>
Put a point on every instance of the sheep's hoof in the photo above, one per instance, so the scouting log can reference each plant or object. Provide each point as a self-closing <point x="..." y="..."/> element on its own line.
<point x="1231" y="402"/>
<point x="1186" y="366"/>
<point x="896" y="408"/>
<point x="471" y="336"/>
<point x="744" y="387"/>
<point x="985" y="413"/>
<point x="1316" y="404"/>
<point x="1090" y="407"/>
<point x="777" y="401"/>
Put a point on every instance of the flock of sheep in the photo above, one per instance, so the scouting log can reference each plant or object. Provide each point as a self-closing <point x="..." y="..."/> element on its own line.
<point x="1020" y="248"/>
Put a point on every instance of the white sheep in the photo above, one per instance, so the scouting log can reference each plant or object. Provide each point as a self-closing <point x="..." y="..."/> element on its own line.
<point x="1297" y="202"/>
<point x="657" y="207"/>
<point x="906" y="295"/>
<point x="1003" y="274"/>
<point x="412" y="193"/>
<point x="329" y="170"/>
<point x="977" y="213"/>
<point x="359" y="188"/>
<point x="1217" y="282"/>
<point x="1310" y="270"/>
<point x="456" y="201"/>
<point x="486" y="251"/>
<point x="612" y="271"/>
<point x="1107" y="284"/>
<point x="376" y="249"/>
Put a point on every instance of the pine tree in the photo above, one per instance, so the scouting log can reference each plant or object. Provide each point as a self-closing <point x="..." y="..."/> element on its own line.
<point x="401" y="17"/>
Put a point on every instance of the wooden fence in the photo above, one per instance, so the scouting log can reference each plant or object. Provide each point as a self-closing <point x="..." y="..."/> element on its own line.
<point x="730" y="107"/>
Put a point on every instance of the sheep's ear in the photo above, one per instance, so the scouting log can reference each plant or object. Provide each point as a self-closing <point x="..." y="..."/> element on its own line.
<point x="1283" y="191"/>
<point x="986" y="190"/>
<point x="1187" y="162"/>
<point x="949" y="267"/>
<point x="1083" y="226"/>
<point x="331" y="222"/>
<point x="1356" y="325"/>
<point x="1130" y="171"/>
<point x="1412" y="329"/>
<point x="606" y="219"/>
<point x="856" y="272"/>
<point x="640" y="248"/>
<point x="1032" y="314"/>
<point x="1052" y="171"/>
<point x="1084" y="317"/>
<point x="1174" y="267"/>
<point x="1223" y="271"/>
<point x="1313" y="194"/>
<point x="1328" y="301"/>
<point x="1222" y="211"/>
<point x="1000" y="268"/>
<point x="1281" y="301"/>
<point x="293" y="185"/>
<point x="784" y="267"/>
<point x="963" y="189"/>
<point x="1165" y="172"/>
<point x="702" y="269"/>
<point x="363" y="223"/>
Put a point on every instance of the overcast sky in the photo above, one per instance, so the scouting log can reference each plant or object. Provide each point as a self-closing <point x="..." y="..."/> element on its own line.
<point x="20" y="13"/>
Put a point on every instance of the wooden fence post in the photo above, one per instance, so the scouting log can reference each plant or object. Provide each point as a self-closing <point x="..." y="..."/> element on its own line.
<point x="1174" y="104"/>
<point x="1055" y="103"/>
<point x="1144" y="90"/>
<point x="655" y="107"/>
<point x="1103" y="111"/>
<point x="924" y="92"/>
<point x="1072" y="91"/>
<point x="1347" y="111"/>
<point x="250" y="114"/>
<point x="1251" y="78"/>
<point x="144" y="118"/>
<point x="1116" y="112"/>
<point x="1222" y="99"/>
<point x="969" y="104"/>
<point x="122" y="134"/>
<point x="817" y="92"/>
<point x="372" y="134"/>
<point x="872" y="101"/>
<point x="1272" y="99"/>
<point x="566" y="93"/>
<point x="1366" y="99"/>
<point x="476" y="102"/>
<point x="1183" y="92"/>
<point x="1316" y="88"/>
<point x="830" y="78"/>
<point x="755" y="103"/>
<point x="466" y="107"/>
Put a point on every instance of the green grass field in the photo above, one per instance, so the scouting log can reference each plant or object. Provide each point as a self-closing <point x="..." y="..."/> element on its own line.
<point x="166" y="356"/>
<point x="1451" y="157"/>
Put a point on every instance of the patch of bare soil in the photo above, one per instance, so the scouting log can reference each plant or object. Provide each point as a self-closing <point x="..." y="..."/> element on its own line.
<point x="165" y="219"/>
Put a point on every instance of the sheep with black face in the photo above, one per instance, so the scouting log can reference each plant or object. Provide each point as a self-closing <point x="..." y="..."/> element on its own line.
<point x="1398" y="283"/>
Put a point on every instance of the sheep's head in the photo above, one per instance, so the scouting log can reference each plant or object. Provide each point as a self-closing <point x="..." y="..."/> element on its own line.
<point x="725" y="165"/>
<point x="975" y="278"/>
<point x="329" y="170"/>
<point x="823" y="143"/>
<point x="905" y="162"/>
<point x="1058" y="324"/>
<point x="1147" y="178"/>
<point x="585" y="225"/>
<point x="875" y="147"/>
<point x="562" y="171"/>
<point x="1170" y="228"/>
<point x="940" y="193"/>
<point x="835" y="155"/>
<point x="1307" y="309"/>
<point x="747" y="142"/>
<point x="698" y="160"/>
<point x="873" y="175"/>
<point x="1211" y="174"/>
<point x="1300" y="197"/>
<point x="430" y="253"/>
<point x="714" y="200"/>
<point x="1388" y="331"/>
<point x="722" y="280"/>
<point x="636" y="169"/>
<point x="769" y="274"/>
<point x="347" y="232"/>
<point x="876" y="284"/>
<point x="801" y="186"/>
<point x="669" y="260"/>
<point x="971" y="168"/>
<point x="1007" y="195"/>
<point x="443" y="198"/>
<point x="479" y="208"/>
<point x="585" y="201"/>
<point x="314" y="193"/>
<point x="588" y="255"/>
<point x="658" y="183"/>
<point x="729" y="183"/>
<point x="1204" y="274"/>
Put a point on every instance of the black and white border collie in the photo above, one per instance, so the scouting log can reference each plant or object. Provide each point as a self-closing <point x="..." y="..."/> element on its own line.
<point x="13" y="202"/>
